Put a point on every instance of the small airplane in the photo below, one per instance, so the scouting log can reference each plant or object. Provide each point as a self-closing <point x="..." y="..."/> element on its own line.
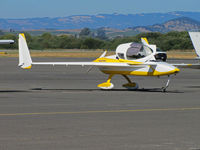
<point x="131" y="59"/>
<point x="195" y="38"/>
<point x="7" y="41"/>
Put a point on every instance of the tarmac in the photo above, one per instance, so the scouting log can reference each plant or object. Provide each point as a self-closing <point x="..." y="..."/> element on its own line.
<point x="62" y="108"/>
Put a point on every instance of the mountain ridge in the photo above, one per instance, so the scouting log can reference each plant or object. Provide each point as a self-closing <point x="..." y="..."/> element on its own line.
<point x="178" y="24"/>
<point x="117" y="21"/>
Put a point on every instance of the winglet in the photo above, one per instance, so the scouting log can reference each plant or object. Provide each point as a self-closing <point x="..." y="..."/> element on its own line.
<point x="25" y="60"/>
<point x="144" y="41"/>
<point x="104" y="54"/>
<point x="153" y="47"/>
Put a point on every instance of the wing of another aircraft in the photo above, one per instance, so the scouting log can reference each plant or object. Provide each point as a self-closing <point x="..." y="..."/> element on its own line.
<point x="192" y="66"/>
<point x="7" y="41"/>
<point x="195" y="37"/>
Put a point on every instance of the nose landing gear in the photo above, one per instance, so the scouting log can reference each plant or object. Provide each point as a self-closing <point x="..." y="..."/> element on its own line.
<point x="167" y="84"/>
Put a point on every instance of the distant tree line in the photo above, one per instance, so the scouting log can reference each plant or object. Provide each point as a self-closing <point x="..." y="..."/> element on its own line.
<point x="168" y="41"/>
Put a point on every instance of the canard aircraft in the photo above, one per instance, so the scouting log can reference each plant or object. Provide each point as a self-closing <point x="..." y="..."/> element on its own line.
<point x="131" y="59"/>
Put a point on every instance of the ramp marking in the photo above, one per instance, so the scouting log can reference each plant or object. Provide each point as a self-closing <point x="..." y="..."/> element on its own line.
<point x="100" y="111"/>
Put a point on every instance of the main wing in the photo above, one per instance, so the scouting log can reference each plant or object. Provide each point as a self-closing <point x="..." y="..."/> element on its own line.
<point x="81" y="64"/>
<point x="26" y="62"/>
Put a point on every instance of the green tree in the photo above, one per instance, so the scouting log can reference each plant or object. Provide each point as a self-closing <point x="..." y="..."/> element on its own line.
<point x="85" y="32"/>
<point x="1" y="32"/>
<point x="101" y="34"/>
<point x="47" y="40"/>
<point x="91" y="43"/>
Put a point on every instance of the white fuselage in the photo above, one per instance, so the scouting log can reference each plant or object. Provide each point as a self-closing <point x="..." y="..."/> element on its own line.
<point x="152" y="69"/>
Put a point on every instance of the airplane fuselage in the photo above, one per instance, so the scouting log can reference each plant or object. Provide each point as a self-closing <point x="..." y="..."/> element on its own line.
<point x="138" y="68"/>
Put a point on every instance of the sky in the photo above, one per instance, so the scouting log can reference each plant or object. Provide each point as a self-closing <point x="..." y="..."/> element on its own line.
<point x="61" y="8"/>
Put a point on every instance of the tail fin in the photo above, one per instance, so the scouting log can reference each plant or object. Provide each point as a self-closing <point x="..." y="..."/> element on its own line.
<point x="195" y="37"/>
<point x="25" y="60"/>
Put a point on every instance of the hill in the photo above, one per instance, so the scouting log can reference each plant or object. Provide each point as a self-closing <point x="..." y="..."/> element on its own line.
<point x="179" y="24"/>
<point x="117" y="21"/>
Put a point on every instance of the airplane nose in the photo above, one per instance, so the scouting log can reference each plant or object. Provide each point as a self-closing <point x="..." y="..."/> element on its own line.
<point x="176" y="70"/>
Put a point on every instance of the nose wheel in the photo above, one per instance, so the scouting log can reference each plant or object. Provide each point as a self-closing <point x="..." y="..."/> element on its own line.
<point x="167" y="84"/>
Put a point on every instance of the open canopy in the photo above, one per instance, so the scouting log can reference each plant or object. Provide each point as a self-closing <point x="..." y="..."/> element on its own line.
<point x="133" y="51"/>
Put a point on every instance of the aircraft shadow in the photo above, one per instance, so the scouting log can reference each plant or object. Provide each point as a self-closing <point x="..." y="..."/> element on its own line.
<point x="194" y="86"/>
<point x="159" y="90"/>
<point x="12" y="91"/>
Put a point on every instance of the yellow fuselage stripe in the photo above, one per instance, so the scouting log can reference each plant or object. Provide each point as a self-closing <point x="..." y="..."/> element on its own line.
<point x="139" y="73"/>
<point x="109" y="60"/>
<point x="135" y="72"/>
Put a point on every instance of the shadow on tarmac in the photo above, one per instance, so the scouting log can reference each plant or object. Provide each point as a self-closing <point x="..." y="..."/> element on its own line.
<point x="152" y="90"/>
<point x="194" y="86"/>
<point x="159" y="90"/>
<point x="12" y="91"/>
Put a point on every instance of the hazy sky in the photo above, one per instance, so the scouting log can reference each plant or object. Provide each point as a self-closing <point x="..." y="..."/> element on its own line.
<point x="60" y="8"/>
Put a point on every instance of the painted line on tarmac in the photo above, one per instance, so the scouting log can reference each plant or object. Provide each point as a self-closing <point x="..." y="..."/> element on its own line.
<point x="100" y="111"/>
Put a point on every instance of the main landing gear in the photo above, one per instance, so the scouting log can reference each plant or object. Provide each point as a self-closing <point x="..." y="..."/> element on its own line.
<point x="130" y="85"/>
<point x="108" y="85"/>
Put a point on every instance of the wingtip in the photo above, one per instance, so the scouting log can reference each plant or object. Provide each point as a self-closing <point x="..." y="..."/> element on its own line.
<point x="22" y="34"/>
<point x="29" y="67"/>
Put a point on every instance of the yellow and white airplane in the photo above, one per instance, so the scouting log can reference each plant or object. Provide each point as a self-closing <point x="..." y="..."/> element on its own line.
<point x="136" y="59"/>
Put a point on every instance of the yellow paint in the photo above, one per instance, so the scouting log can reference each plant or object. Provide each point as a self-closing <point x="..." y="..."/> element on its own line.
<point x="142" y="73"/>
<point x="109" y="60"/>
<point x="145" y="40"/>
<point x="29" y="67"/>
<point x="136" y="73"/>
<point x="107" y="83"/>
<point x="129" y="85"/>
<point x="3" y="53"/>
<point x="22" y="34"/>
<point x="102" y="111"/>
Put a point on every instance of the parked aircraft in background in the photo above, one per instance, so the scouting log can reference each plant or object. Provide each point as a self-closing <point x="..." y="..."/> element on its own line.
<point x="195" y="37"/>
<point x="131" y="59"/>
<point x="7" y="41"/>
